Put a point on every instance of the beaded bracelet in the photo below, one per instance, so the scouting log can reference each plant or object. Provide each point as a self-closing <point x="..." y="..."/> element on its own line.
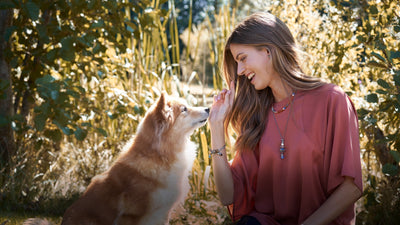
<point x="216" y="151"/>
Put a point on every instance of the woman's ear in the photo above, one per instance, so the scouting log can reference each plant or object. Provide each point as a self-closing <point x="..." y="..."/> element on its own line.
<point x="267" y="51"/>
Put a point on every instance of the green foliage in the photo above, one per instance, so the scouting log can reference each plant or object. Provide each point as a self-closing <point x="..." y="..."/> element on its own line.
<point x="378" y="47"/>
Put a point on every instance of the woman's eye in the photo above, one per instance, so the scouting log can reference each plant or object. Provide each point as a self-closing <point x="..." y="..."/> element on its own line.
<point x="243" y="58"/>
<point x="183" y="109"/>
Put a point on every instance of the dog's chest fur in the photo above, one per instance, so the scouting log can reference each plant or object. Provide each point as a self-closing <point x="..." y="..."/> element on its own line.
<point x="174" y="188"/>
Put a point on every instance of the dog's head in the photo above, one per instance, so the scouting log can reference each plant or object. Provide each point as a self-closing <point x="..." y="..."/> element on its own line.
<point x="173" y="117"/>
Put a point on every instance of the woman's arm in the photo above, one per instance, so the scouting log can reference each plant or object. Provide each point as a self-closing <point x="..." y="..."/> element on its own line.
<point x="222" y="172"/>
<point x="221" y="169"/>
<point x="345" y="195"/>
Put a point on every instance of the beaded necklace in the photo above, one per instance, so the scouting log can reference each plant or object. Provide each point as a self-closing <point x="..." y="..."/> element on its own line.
<point x="284" y="107"/>
<point x="282" y="148"/>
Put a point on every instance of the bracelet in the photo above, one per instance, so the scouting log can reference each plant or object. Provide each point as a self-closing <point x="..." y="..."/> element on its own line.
<point x="216" y="151"/>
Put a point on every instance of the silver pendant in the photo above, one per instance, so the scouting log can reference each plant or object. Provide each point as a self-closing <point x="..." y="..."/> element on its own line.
<point x="282" y="148"/>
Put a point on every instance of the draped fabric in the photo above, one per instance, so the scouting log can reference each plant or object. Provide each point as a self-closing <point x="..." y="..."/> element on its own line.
<point x="322" y="148"/>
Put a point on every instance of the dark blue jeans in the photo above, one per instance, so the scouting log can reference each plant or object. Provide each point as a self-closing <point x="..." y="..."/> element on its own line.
<point x="248" y="220"/>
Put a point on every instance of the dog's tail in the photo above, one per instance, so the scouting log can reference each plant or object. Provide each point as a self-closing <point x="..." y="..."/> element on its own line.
<point x="37" y="221"/>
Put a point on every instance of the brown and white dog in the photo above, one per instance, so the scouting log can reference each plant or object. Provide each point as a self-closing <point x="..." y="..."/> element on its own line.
<point x="150" y="176"/>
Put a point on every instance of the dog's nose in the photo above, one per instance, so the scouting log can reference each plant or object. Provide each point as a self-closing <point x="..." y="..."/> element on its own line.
<point x="207" y="110"/>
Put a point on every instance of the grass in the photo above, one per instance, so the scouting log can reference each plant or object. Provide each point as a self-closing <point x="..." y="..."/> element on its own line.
<point x="17" y="218"/>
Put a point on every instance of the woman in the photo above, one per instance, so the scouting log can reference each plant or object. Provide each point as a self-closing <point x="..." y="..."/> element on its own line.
<point x="297" y="155"/>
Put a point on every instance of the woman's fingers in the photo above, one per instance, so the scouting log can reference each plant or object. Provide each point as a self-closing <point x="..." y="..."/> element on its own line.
<point x="220" y="97"/>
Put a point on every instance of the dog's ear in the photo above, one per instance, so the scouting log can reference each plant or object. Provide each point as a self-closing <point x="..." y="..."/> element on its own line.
<point x="163" y="109"/>
<point x="160" y="104"/>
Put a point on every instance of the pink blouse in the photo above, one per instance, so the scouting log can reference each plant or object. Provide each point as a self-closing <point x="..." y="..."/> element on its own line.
<point x="322" y="147"/>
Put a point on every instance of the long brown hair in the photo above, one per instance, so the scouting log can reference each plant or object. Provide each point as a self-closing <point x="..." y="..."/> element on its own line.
<point x="248" y="115"/>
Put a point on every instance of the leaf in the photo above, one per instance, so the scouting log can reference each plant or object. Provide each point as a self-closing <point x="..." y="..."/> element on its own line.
<point x="83" y="41"/>
<point x="112" y="115"/>
<point x="67" y="130"/>
<point x="102" y="131"/>
<point x="362" y="112"/>
<point x="131" y="27"/>
<point x="86" y="125"/>
<point x="373" y="9"/>
<point x="67" y="42"/>
<point x="379" y="56"/>
<point x="345" y="4"/>
<point x="372" y="98"/>
<point x="67" y="50"/>
<point x="138" y="110"/>
<point x="46" y="79"/>
<point x="97" y="48"/>
<point x="51" y="55"/>
<point x="396" y="155"/>
<point x="376" y="64"/>
<point x="54" y="134"/>
<point x="42" y="31"/>
<point x="33" y="10"/>
<point x="6" y="5"/>
<point x="390" y="169"/>
<point x="73" y="93"/>
<point x="80" y="134"/>
<point x="394" y="54"/>
<point x="90" y="37"/>
<point x="40" y="121"/>
<point x="43" y="108"/>
<point x="4" y="121"/>
<point x="396" y="79"/>
<point x="9" y="32"/>
<point x="4" y="84"/>
<point x="382" y="92"/>
<point x="380" y="44"/>
<point x="68" y="54"/>
<point x="54" y="95"/>
<point x="383" y="84"/>
<point x="98" y="24"/>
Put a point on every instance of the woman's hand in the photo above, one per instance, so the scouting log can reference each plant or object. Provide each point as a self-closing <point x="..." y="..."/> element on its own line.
<point x="221" y="105"/>
<point x="222" y="173"/>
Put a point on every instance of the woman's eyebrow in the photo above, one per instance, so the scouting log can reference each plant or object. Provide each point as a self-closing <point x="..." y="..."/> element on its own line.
<point x="237" y="56"/>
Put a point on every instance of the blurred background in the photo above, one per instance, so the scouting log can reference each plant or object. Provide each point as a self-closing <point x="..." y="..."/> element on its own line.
<point x="76" y="77"/>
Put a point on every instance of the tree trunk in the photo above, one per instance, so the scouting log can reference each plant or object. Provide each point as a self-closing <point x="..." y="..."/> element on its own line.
<point x="7" y="143"/>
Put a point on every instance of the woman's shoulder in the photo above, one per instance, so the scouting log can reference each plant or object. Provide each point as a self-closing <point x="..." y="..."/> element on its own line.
<point x="326" y="91"/>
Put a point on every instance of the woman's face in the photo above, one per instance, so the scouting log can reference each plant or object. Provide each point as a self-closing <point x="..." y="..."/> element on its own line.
<point x="255" y="64"/>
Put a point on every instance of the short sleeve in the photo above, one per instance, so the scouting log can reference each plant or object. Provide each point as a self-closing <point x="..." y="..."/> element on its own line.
<point x="342" y="147"/>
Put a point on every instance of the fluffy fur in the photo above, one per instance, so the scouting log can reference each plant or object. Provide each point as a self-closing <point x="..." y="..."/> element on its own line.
<point x="150" y="176"/>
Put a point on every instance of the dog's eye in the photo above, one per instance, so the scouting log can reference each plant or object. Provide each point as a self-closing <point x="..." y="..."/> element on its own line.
<point x="183" y="109"/>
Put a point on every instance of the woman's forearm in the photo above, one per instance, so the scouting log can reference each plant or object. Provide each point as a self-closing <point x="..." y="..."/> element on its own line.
<point x="222" y="172"/>
<point x="345" y="195"/>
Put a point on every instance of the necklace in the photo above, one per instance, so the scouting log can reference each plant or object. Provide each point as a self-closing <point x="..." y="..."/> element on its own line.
<point x="282" y="148"/>
<point x="284" y="107"/>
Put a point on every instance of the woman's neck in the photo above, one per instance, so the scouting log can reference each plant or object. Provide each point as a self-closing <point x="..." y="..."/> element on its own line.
<point x="281" y="91"/>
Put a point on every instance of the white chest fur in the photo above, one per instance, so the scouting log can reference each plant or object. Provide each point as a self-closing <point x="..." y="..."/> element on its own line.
<point x="175" y="186"/>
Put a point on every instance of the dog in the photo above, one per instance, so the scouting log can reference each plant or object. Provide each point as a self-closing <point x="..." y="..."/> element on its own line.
<point x="150" y="177"/>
